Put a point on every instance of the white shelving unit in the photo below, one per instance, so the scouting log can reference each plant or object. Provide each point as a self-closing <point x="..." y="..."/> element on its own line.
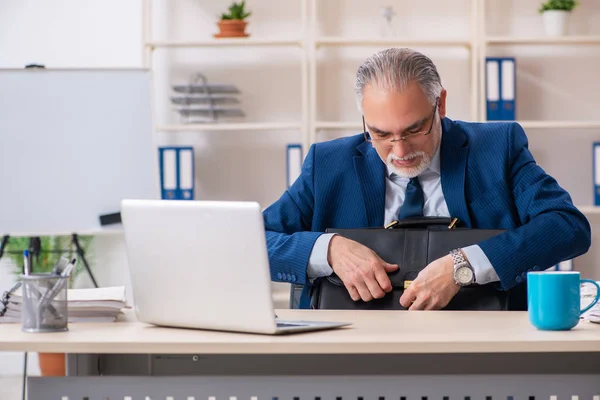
<point x="151" y="45"/>
<point x="227" y="43"/>
<point x="470" y="43"/>
<point x="486" y="41"/>
<point x="478" y="43"/>
<point x="358" y="41"/>
<point x="590" y="210"/>
<point x="248" y="126"/>
<point x="580" y="40"/>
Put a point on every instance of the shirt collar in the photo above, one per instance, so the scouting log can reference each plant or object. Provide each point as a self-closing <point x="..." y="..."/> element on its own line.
<point x="434" y="166"/>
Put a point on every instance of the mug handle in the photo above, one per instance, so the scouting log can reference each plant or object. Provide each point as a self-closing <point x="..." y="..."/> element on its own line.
<point x="597" y="294"/>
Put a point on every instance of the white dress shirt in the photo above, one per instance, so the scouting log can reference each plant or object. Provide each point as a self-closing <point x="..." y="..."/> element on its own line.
<point x="435" y="205"/>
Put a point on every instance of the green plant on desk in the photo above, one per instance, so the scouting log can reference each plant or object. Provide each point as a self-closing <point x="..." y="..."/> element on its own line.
<point x="52" y="248"/>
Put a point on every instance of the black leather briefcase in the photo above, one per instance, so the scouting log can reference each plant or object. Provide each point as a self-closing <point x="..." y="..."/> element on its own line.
<point x="412" y="245"/>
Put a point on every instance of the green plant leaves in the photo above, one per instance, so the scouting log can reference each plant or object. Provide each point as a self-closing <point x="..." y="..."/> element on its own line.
<point x="52" y="247"/>
<point x="236" y="11"/>
<point x="563" y="5"/>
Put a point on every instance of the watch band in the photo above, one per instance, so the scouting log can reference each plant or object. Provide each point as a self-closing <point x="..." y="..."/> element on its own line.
<point x="457" y="257"/>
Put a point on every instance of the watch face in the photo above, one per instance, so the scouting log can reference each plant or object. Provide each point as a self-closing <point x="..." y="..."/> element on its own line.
<point x="464" y="275"/>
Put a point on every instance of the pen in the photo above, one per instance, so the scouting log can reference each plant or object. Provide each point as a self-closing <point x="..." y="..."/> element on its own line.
<point x="60" y="266"/>
<point x="68" y="268"/>
<point x="26" y="266"/>
<point x="49" y="295"/>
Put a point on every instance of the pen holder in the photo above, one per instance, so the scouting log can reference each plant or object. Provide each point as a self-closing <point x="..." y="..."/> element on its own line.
<point x="44" y="304"/>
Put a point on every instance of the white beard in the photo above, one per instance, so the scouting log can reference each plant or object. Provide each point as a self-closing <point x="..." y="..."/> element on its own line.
<point x="426" y="159"/>
<point x="409" y="172"/>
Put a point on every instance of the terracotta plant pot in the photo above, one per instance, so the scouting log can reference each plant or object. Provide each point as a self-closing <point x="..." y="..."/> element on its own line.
<point x="231" y="28"/>
<point x="52" y="364"/>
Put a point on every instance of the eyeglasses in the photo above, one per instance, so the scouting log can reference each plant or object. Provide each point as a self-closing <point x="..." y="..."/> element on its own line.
<point x="391" y="142"/>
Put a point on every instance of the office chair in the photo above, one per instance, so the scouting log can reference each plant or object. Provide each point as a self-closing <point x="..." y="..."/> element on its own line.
<point x="295" y="292"/>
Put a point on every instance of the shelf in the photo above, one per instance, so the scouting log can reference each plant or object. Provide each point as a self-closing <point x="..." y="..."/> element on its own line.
<point x="589" y="210"/>
<point x="228" y="42"/>
<point x="557" y="124"/>
<point x="247" y="126"/>
<point x="563" y="40"/>
<point x="345" y="41"/>
<point x="338" y="125"/>
<point x="524" y="124"/>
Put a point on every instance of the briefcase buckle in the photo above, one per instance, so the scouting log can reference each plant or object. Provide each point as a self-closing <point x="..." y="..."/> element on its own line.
<point x="391" y="224"/>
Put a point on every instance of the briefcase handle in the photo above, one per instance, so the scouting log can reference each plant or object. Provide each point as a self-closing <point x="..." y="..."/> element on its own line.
<point x="424" y="223"/>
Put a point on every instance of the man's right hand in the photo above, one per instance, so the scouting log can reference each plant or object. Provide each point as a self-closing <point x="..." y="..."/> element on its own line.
<point x="364" y="274"/>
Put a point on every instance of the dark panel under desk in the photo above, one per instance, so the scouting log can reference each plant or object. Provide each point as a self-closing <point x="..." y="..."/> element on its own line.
<point x="338" y="364"/>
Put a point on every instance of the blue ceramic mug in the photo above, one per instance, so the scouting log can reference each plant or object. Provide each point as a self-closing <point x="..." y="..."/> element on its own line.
<point x="554" y="299"/>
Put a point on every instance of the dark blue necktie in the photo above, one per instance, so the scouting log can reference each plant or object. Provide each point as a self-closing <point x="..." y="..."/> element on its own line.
<point x="413" y="201"/>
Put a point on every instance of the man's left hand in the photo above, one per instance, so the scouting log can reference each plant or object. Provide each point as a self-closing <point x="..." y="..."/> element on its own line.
<point x="433" y="288"/>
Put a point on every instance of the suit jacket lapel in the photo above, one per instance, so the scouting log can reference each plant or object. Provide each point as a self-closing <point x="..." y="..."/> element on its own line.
<point x="453" y="165"/>
<point x="371" y="176"/>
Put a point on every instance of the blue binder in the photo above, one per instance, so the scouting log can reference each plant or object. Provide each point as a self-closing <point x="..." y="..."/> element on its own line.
<point x="293" y="163"/>
<point x="596" y="172"/>
<point x="176" y="166"/>
<point x="501" y="88"/>
<point x="167" y="157"/>
<point x="186" y="173"/>
<point x="492" y="89"/>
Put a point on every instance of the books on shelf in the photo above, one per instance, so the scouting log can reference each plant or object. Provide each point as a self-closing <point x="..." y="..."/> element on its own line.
<point x="85" y="305"/>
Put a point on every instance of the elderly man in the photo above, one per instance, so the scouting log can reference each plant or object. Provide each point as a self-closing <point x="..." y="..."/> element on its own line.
<point x="412" y="160"/>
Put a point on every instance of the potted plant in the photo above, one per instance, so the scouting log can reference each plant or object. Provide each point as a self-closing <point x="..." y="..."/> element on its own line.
<point x="51" y="248"/>
<point x="556" y="16"/>
<point x="232" y="23"/>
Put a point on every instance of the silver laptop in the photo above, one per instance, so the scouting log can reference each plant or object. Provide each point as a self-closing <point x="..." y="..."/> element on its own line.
<point x="203" y="264"/>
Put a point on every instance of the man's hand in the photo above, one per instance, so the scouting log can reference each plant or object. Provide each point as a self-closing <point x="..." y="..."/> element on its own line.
<point x="364" y="274"/>
<point x="433" y="288"/>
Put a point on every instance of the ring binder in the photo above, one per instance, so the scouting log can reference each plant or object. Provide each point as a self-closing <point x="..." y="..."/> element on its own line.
<point x="176" y="172"/>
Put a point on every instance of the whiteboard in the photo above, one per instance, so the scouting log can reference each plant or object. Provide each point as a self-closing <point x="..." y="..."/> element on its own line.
<point x="73" y="144"/>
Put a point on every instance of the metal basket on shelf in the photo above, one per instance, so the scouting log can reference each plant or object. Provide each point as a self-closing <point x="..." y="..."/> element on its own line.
<point x="203" y="102"/>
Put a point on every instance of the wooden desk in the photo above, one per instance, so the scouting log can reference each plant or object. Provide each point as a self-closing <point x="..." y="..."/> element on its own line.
<point x="372" y="332"/>
<point x="383" y="352"/>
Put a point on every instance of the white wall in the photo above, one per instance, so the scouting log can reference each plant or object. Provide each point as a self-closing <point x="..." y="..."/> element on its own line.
<point x="249" y="165"/>
<point x="90" y="34"/>
<point x="70" y="34"/>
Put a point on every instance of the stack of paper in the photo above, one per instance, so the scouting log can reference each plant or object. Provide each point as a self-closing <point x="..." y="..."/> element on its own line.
<point x="588" y="294"/>
<point x="84" y="305"/>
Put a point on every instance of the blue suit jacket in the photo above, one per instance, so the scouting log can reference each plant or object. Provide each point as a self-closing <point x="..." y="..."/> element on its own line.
<point x="489" y="180"/>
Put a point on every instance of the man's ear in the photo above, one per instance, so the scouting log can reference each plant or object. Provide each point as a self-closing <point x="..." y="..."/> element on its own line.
<point x="442" y="104"/>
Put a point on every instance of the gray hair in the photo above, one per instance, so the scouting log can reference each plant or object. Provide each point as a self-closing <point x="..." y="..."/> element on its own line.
<point x="394" y="68"/>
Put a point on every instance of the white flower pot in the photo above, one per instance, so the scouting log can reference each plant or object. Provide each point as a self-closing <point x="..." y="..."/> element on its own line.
<point x="556" y="22"/>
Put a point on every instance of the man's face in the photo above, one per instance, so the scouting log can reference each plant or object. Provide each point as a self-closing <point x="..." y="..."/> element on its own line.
<point x="390" y="114"/>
